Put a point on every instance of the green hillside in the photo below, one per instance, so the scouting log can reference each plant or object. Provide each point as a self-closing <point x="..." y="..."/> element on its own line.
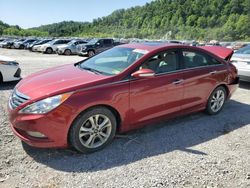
<point x="169" y="19"/>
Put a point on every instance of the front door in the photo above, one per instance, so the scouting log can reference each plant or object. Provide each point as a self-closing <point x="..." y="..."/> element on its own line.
<point x="160" y="95"/>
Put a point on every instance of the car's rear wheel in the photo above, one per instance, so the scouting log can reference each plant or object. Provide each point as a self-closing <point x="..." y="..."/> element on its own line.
<point x="67" y="52"/>
<point x="91" y="53"/>
<point x="48" y="51"/>
<point x="21" y="46"/>
<point x="93" y="130"/>
<point x="216" y="100"/>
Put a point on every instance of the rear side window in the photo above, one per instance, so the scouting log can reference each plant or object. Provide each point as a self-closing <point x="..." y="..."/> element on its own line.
<point x="194" y="59"/>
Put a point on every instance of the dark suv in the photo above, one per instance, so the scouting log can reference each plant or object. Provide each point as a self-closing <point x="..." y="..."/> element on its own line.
<point x="96" y="46"/>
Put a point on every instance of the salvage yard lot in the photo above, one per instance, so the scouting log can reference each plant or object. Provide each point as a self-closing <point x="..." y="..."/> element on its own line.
<point x="193" y="151"/>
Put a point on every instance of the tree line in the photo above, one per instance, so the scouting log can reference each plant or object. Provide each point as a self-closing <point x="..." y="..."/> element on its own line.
<point x="169" y="19"/>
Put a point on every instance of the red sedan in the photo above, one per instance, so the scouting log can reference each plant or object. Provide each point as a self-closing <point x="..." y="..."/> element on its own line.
<point x="85" y="104"/>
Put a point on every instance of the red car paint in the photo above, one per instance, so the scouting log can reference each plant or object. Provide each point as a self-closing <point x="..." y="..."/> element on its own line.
<point x="137" y="102"/>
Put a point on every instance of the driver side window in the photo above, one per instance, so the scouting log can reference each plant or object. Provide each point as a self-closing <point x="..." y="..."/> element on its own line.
<point x="162" y="63"/>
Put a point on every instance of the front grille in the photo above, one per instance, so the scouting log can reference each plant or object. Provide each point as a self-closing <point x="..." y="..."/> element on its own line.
<point x="17" y="99"/>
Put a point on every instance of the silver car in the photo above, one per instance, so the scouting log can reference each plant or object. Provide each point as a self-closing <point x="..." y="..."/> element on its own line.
<point x="241" y="59"/>
<point x="70" y="48"/>
<point x="51" y="46"/>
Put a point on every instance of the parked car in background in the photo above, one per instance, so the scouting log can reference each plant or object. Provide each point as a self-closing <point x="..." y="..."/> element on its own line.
<point x="23" y="44"/>
<point x="7" y="43"/>
<point x="9" y="69"/>
<point x="241" y="59"/>
<point x="50" y="47"/>
<point x="70" y="48"/>
<point x="96" y="46"/>
<point x="86" y="103"/>
<point x="11" y="44"/>
<point x="33" y="45"/>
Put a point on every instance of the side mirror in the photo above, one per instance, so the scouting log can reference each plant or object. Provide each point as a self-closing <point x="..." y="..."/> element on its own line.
<point x="97" y="44"/>
<point x="143" y="73"/>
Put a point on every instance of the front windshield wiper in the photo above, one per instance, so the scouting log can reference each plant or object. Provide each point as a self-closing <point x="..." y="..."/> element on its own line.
<point x="91" y="69"/>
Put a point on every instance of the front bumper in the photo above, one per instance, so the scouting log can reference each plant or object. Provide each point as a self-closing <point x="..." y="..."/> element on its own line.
<point x="83" y="53"/>
<point x="60" y="51"/>
<point x="54" y="126"/>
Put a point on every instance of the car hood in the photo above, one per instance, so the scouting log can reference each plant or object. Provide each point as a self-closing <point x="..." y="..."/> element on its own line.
<point x="63" y="46"/>
<point x="58" y="80"/>
<point x="242" y="57"/>
<point x="46" y="45"/>
<point x="89" y="46"/>
<point x="4" y="58"/>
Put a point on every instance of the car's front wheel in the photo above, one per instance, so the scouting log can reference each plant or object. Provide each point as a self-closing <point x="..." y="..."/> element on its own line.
<point x="216" y="100"/>
<point x="48" y="51"/>
<point x="93" y="130"/>
<point x="67" y="52"/>
<point x="91" y="53"/>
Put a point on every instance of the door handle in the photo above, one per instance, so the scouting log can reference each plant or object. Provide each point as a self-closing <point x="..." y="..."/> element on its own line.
<point x="177" y="81"/>
<point x="213" y="72"/>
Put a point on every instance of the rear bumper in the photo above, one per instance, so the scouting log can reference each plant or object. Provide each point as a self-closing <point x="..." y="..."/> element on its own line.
<point x="233" y="86"/>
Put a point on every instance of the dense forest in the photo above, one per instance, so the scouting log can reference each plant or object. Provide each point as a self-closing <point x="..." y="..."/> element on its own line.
<point x="169" y="19"/>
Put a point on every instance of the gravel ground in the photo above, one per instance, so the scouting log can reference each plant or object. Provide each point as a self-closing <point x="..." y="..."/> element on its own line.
<point x="192" y="151"/>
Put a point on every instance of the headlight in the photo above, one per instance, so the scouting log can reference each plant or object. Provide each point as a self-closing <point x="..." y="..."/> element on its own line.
<point x="45" y="105"/>
<point x="8" y="63"/>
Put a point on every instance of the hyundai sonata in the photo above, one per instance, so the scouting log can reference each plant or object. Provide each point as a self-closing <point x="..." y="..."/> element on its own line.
<point x="85" y="104"/>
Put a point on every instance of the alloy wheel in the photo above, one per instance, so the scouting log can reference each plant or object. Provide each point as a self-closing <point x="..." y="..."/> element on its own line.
<point x="95" y="131"/>
<point x="217" y="100"/>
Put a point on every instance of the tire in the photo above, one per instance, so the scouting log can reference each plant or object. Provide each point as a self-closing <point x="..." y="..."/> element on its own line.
<point x="216" y="101"/>
<point x="49" y="51"/>
<point x="67" y="52"/>
<point x="21" y="47"/>
<point x="84" y="135"/>
<point x="91" y="53"/>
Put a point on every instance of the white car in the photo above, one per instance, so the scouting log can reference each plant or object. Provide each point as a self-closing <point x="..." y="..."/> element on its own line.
<point x="37" y="48"/>
<point x="241" y="59"/>
<point x="9" y="69"/>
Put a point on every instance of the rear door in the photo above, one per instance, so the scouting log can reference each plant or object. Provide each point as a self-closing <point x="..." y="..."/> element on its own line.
<point x="201" y="74"/>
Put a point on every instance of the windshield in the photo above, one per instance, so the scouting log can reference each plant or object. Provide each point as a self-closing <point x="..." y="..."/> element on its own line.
<point x="93" y="41"/>
<point x="51" y="42"/>
<point x="72" y="42"/>
<point x="113" y="61"/>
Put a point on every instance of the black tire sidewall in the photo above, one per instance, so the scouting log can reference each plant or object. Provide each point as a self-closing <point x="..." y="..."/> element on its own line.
<point x="208" y="108"/>
<point x="89" y="53"/>
<point x="49" y="51"/>
<point x="75" y="128"/>
<point x="67" y="50"/>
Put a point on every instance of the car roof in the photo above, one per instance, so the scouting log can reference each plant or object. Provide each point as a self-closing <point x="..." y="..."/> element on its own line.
<point x="150" y="46"/>
<point x="221" y="52"/>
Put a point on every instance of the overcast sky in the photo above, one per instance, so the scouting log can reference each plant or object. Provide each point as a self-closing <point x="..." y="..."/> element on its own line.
<point x="31" y="13"/>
